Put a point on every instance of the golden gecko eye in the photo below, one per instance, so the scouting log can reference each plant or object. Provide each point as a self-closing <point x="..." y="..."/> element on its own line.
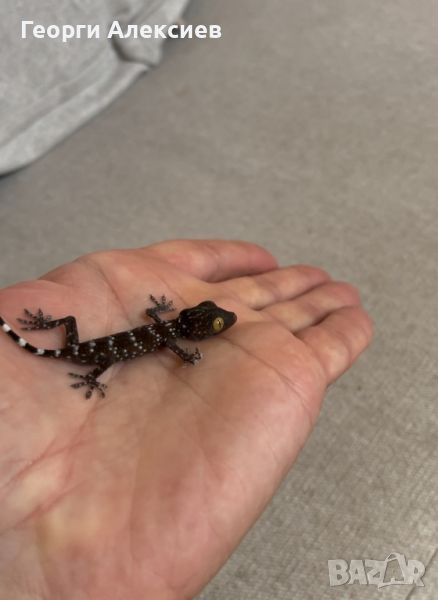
<point x="218" y="324"/>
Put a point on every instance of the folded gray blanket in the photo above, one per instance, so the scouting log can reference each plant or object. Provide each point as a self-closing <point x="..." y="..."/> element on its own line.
<point x="49" y="87"/>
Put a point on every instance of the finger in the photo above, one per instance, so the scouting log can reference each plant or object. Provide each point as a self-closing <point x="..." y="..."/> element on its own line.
<point x="215" y="260"/>
<point x="279" y="285"/>
<point x="339" y="339"/>
<point x="313" y="306"/>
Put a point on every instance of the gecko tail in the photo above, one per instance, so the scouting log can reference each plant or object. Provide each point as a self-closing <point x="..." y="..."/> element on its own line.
<point x="24" y="343"/>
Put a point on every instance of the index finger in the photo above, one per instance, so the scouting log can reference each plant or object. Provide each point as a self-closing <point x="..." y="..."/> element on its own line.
<point x="215" y="260"/>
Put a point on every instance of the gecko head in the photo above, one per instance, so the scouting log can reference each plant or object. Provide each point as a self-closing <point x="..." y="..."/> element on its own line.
<point x="204" y="320"/>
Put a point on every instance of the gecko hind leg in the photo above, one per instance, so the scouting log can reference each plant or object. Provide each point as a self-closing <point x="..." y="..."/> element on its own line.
<point x="90" y="380"/>
<point x="41" y="321"/>
<point x="35" y="321"/>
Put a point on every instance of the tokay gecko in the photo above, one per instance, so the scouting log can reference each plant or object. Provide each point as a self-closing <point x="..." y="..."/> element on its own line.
<point x="197" y="323"/>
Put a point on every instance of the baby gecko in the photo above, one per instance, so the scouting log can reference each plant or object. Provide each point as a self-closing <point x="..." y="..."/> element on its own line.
<point x="198" y="323"/>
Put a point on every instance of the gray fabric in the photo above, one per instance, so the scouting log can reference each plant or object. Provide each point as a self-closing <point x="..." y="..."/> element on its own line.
<point x="49" y="88"/>
<point x="310" y="127"/>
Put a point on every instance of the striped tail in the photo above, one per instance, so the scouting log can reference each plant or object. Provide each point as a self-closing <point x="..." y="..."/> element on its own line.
<point x="25" y="344"/>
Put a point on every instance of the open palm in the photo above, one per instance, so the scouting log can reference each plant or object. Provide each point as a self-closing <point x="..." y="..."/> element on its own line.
<point x="146" y="493"/>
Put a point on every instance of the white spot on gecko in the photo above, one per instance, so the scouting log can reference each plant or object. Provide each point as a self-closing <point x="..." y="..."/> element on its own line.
<point x="22" y="342"/>
<point x="6" y="327"/>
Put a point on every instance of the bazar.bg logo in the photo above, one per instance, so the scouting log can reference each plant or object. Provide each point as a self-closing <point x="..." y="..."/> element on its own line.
<point x="394" y="570"/>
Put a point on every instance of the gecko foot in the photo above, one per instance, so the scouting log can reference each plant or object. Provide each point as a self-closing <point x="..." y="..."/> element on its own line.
<point x="35" y="321"/>
<point x="192" y="357"/>
<point x="163" y="305"/>
<point x="91" y="382"/>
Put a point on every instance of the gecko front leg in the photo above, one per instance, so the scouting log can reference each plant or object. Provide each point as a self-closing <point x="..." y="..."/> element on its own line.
<point x="161" y="306"/>
<point x="185" y="354"/>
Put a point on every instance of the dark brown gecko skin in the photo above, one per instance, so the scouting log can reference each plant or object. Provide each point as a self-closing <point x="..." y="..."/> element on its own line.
<point x="197" y="323"/>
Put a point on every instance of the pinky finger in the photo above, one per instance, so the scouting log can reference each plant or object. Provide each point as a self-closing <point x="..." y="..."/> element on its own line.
<point x="339" y="339"/>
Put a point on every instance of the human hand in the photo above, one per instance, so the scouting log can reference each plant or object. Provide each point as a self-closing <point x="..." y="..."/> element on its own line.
<point x="146" y="493"/>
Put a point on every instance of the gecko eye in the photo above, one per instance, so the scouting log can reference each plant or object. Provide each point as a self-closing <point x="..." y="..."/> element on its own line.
<point x="218" y="324"/>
